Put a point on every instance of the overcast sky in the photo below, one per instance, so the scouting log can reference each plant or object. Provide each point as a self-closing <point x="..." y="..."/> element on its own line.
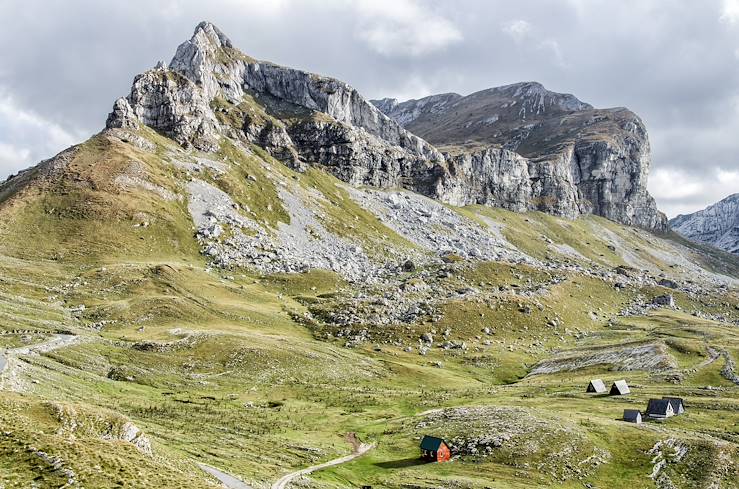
<point x="675" y="63"/>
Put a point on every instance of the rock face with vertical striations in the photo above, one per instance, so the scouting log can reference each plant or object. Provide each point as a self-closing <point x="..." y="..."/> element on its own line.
<point x="578" y="159"/>
<point x="716" y="225"/>
<point x="519" y="147"/>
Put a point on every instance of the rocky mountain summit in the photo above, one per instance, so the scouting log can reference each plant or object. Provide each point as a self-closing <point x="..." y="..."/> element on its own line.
<point x="541" y="151"/>
<point x="533" y="149"/>
<point x="210" y="90"/>
<point x="716" y="225"/>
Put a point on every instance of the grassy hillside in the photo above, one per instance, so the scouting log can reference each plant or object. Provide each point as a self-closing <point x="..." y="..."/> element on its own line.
<point x="262" y="373"/>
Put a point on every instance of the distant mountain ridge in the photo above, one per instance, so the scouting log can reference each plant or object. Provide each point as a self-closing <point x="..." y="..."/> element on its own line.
<point x="576" y="159"/>
<point x="717" y="224"/>
<point x="451" y="118"/>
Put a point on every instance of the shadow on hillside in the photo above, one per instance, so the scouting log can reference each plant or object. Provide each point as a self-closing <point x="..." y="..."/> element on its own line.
<point x="402" y="463"/>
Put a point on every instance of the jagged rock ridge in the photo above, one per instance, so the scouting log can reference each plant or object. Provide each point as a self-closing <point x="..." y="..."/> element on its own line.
<point x="576" y="159"/>
<point x="716" y="225"/>
<point x="210" y="90"/>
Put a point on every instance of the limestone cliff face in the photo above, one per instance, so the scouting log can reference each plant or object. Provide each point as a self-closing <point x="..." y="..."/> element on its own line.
<point x="611" y="169"/>
<point x="503" y="178"/>
<point x="717" y="224"/>
<point x="519" y="147"/>
<point x="579" y="159"/>
<point x="166" y="101"/>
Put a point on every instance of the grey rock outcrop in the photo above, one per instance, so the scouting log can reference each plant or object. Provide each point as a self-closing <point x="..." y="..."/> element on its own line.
<point x="503" y="178"/>
<point x="520" y="147"/>
<point x="580" y="160"/>
<point x="716" y="225"/>
<point x="299" y="117"/>
<point x="407" y="112"/>
<point x="168" y="102"/>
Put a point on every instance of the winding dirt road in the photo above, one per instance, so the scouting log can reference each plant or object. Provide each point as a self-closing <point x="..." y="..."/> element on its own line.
<point x="285" y="480"/>
<point x="232" y="482"/>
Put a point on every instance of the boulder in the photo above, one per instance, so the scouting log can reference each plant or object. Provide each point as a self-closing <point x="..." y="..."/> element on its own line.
<point x="664" y="300"/>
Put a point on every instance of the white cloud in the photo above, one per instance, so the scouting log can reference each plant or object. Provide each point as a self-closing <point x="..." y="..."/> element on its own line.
<point x="728" y="183"/>
<point x="555" y="50"/>
<point x="673" y="184"/>
<point x="13" y="158"/>
<point x="523" y="31"/>
<point x="259" y="8"/>
<point x="26" y="137"/>
<point x="518" y="30"/>
<point x="730" y="11"/>
<point x="401" y="28"/>
<point x="678" y="192"/>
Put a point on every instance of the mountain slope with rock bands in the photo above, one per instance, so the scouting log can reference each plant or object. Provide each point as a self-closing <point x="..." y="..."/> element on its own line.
<point x="716" y="225"/>
<point x="594" y="161"/>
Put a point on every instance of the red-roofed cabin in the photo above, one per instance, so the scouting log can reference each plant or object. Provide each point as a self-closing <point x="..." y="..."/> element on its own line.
<point x="435" y="449"/>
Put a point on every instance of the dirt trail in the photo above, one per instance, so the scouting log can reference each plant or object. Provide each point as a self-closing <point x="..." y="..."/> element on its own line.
<point x="712" y="357"/>
<point x="231" y="482"/>
<point x="227" y="480"/>
<point x="359" y="450"/>
<point x="56" y="341"/>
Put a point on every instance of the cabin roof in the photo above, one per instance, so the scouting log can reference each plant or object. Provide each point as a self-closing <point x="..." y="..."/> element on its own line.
<point x="621" y="386"/>
<point x="431" y="443"/>
<point x="631" y="413"/>
<point x="598" y="385"/>
<point x="675" y="401"/>
<point x="658" y="406"/>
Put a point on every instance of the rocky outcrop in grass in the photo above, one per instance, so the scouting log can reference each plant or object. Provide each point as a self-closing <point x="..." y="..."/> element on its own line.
<point x="650" y="357"/>
<point x="521" y="438"/>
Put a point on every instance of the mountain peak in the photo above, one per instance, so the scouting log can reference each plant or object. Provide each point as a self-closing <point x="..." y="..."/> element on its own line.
<point x="197" y="59"/>
<point x="212" y="33"/>
<point x="553" y="132"/>
<point x="538" y="94"/>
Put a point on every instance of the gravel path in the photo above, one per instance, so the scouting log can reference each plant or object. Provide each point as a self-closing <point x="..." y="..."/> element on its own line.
<point x="7" y="378"/>
<point x="57" y="341"/>
<point x="285" y="480"/>
<point x="226" y="479"/>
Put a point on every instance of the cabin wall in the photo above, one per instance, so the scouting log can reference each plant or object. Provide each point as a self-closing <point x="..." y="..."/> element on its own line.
<point x="444" y="454"/>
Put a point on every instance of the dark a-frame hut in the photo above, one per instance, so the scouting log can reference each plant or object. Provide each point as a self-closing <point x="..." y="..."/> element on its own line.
<point x="659" y="408"/>
<point x="632" y="416"/>
<point x="678" y="407"/>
